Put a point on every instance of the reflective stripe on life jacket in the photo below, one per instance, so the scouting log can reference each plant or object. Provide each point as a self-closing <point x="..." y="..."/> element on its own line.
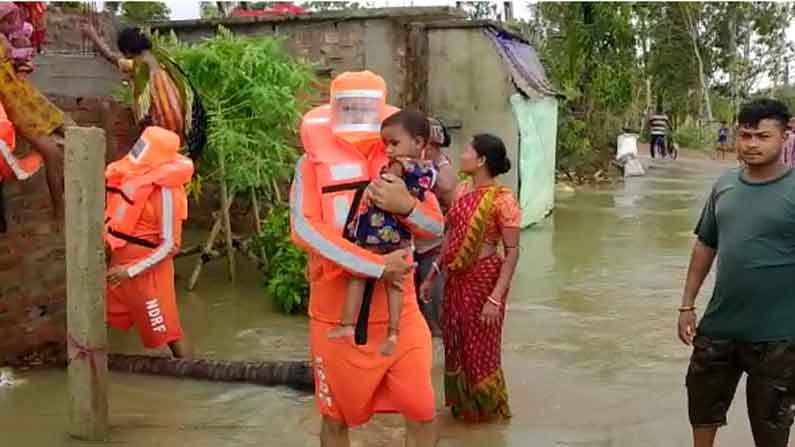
<point x="11" y="167"/>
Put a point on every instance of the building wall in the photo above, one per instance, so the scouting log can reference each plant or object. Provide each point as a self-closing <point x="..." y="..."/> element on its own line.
<point x="477" y="96"/>
<point x="344" y="41"/>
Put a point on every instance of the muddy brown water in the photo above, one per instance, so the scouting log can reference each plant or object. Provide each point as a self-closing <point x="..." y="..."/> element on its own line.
<point x="590" y="352"/>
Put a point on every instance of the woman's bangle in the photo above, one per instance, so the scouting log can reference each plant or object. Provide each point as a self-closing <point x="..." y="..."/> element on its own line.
<point x="494" y="301"/>
<point x="436" y="268"/>
<point x="686" y="308"/>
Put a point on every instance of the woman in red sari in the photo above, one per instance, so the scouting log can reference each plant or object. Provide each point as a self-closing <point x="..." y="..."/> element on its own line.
<point x="479" y="256"/>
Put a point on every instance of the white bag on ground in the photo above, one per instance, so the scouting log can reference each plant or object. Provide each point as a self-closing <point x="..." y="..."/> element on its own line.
<point x="627" y="155"/>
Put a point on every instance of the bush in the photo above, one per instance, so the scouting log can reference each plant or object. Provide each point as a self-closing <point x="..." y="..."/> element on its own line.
<point x="573" y="142"/>
<point x="251" y="88"/>
<point x="692" y="137"/>
<point x="285" y="270"/>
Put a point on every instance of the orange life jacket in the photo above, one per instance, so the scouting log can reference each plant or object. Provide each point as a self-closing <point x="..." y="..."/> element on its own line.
<point x="130" y="183"/>
<point x="342" y="172"/>
<point x="11" y="167"/>
<point x="343" y="152"/>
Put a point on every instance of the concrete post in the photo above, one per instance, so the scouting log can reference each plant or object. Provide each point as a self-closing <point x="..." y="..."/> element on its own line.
<point x="85" y="279"/>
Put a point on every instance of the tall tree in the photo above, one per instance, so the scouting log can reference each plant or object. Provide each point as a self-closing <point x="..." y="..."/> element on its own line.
<point x="692" y="14"/>
<point x="139" y="13"/>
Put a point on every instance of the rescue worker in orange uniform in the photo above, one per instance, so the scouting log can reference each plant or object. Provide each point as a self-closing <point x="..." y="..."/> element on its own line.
<point x="343" y="157"/>
<point x="11" y="167"/>
<point x="146" y="204"/>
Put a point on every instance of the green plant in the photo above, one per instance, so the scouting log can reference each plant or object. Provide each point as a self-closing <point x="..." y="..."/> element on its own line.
<point x="287" y="284"/>
<point x="692" y="137"/>
<point x="573" y="140"/>
<point x="250" y="88"/>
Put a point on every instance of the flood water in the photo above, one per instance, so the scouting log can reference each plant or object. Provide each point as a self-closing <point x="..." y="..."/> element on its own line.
<point x="590" y="353"/>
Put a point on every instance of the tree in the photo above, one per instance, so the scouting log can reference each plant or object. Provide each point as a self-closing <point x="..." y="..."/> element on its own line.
<point x="211" y="10"/>
<point x="139" y="13"/>
<point x="691" y="11"/>
<point x="479" y="10"/>
<point x="113" y="7"/>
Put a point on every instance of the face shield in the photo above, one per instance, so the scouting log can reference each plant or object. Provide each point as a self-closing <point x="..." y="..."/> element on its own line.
<point x="357" y="104"/>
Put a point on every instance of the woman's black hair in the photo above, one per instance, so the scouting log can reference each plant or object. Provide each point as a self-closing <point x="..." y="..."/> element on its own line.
<point x="493" y="150"/>
<point x="413" y="122"/>
<point x="133" y="41"/>
<point x="439" y="133"/>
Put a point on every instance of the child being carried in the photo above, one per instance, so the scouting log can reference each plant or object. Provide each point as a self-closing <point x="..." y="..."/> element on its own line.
<point x="405" y="135"/>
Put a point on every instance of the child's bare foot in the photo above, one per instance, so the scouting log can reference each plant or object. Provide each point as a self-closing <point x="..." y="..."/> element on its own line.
<point x="388" y="348"/>
<point x="343" y="330"/>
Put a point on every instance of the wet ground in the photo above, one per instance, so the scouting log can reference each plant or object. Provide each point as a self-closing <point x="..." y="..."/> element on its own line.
<point x="590" y="351"/>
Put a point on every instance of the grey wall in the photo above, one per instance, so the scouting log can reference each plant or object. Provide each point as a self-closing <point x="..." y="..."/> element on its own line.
<point x="76" y="75"/>
<point x="469" y="84"/>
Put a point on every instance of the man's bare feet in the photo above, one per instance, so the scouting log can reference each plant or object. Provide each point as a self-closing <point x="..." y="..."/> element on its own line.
<point x="343" y="330"/>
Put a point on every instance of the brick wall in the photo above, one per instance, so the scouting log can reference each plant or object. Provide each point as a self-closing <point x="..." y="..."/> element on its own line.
<point x="32" y="275"/>
<point x="32" y="264"/>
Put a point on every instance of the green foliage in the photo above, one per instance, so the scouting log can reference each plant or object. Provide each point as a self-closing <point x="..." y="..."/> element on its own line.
<point x="210" y="10"/>
<point x="615" y="63"/>
<point x="250" y="89"/>
<point x="589" y="51"/>
<point x="139" y="13"/>
<point x="122" y="94"/>
<point x="573" y="139"/>
<point x="287" y="284"/>
<point x="694" y="137"/>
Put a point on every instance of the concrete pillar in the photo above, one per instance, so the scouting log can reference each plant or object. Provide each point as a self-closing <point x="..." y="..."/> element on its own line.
<point x="85" y="278"/>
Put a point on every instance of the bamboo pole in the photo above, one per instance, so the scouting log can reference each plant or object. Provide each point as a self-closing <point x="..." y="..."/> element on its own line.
<point x="255" y="205"/>
<point x="258" y="226"/>
<point x="225" y="203"/>
<point x="210" y="243"/>
<point x="85" y="279"/>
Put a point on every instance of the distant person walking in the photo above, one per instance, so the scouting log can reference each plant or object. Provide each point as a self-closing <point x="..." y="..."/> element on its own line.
<point x="723" y="137"/>
<point x="658" y="129"/>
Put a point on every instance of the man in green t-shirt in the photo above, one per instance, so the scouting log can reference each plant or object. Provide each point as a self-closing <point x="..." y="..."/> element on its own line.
<point x="748" y="223"/>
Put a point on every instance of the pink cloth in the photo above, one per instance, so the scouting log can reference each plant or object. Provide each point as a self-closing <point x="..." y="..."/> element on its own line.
<point x="24" y="32"/>
<point x="8" y="10"/>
